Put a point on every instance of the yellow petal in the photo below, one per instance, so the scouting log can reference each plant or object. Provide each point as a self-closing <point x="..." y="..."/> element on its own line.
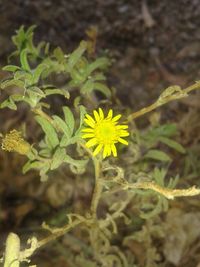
<point x="122" y="127"/>
<point x="105" y="151"/>
<point x="121" y="140"/>
<point x="110" y="114"/>
<point x="97" y="149"/>
<point x="90" y="118"/>
<point x="87" y="130"/>
<point x="101" y="115"/>
<point x="88" y="135"/>
<point x="91" y="142"/>
<point x="114" y="150"/>
<point x="96" y="115"/>
<point x="109" y="150"/>
<point x="124" y="133"/>
<point x="90" y="123"/>
<point x="116" y="118"/>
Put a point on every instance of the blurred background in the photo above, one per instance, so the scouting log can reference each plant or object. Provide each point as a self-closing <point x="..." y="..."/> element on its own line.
<point x="153" y="44"/>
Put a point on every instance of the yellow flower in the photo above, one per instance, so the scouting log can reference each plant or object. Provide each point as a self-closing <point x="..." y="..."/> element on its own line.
<point x="104" y="132"/>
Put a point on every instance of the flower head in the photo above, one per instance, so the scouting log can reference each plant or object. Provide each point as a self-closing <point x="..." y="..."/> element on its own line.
<point x="104" y="132"/>
<point x="13" y="141"/>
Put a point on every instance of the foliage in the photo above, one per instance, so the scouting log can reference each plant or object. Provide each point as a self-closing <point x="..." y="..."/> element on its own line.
<point x="140" y="177"/>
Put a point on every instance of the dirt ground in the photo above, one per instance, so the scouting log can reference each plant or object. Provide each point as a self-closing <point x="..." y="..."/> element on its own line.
<point x="153" y="44"/>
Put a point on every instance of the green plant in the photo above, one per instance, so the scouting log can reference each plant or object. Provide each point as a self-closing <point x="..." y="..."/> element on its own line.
<point x="141" y="180"/>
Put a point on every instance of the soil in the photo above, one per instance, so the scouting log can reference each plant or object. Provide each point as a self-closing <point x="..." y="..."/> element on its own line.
<point x="153" y="44"/>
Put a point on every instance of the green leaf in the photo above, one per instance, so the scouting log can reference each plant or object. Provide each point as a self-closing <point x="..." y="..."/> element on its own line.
<point x="66" y="141"/>
<point x="63" y="126"/>
<point x="69" y="118"/>
<point x="77" y="166"/>
<point x="31" y="165"/>
<point x="76" y="55"/>
<point x="159" y="176"/>
<point x="99" y="63"/>
<point x="173" y="182"/>
<point x="49" y="131"/>
<point x="11" y="68"/>
<point x="162" y="130"/>
<point x="37" y="91"/>
<point x="43" y="172"/>
<point x="87" y="87"/>
<point x="82" y="116"/>
<point x="59" y="55"/>
<point x="102" y="88"/>
<point x="157" y="155"/>
<point x="58" y="158"/>
<point x="90" y="85"/>
<point x="38" y="72"/>
<point x="12" y="82"/>
<point x="57" y="92"/>
<point x="173" y="144"/>
<point x="24" y="60"/>
<point x="9" y="103"/>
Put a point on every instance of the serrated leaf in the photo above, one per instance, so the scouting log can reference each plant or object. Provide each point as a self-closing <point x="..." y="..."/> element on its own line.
<point x="157" y="155"/>
<point x="49" y="131"/>
<point x="69" y="118"/>
<point x="63" y="126"/>
<point x="58" y="158"/>
<point x="173" y="144"/>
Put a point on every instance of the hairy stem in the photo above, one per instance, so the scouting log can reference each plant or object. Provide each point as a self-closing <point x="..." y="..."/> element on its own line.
<point x="166" y="192"/>
<point x="165" y="100"/>
<point x="97" y="189"/>
<point x="12" y="251"/>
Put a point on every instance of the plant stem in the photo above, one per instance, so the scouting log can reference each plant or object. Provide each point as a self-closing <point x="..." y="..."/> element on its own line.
<point x="97" y="189"/>
<point x="165" y="100"/>
<point x="12" y="251"/>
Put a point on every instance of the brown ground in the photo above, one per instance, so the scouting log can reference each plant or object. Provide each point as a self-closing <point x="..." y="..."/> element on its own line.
<point x="154" y="44"/>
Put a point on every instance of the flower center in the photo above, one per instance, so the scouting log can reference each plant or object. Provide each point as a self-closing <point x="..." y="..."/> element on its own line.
<point x="105" y="132"/>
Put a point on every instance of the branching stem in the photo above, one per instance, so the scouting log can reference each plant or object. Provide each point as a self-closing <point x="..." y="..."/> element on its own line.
<point x="165" y="100"/>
